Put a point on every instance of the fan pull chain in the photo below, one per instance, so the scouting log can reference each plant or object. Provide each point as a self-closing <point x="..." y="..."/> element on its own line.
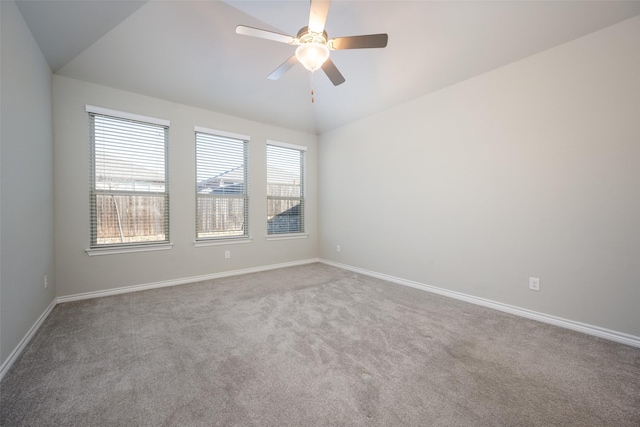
<point x="312" y="92"/>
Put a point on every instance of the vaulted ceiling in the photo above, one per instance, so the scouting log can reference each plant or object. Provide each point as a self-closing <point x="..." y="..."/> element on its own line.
<point x="188" y="51"/>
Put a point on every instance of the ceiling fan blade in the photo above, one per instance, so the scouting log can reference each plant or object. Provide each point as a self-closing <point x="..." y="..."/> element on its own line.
<point x="332" y="72"/>
<point x="286" y="66"/>
<point x="263" y="34"/>
<point x="318" y="15"/>
<point x="359" y="42"/>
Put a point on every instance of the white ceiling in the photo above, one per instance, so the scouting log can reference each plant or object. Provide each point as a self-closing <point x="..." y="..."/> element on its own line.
<point x="188" y="51"/>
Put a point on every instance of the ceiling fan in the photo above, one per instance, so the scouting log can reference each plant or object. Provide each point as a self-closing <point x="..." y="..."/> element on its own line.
<point x="314" y="45"/>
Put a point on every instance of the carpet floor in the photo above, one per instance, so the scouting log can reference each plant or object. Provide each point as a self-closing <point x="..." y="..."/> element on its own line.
<point x="312" y="346"/>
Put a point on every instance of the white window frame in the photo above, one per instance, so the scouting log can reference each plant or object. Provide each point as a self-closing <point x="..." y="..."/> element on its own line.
<point x="303" y="192"/>
<point x="96" y="248"/>
<point x="222" y="239"/>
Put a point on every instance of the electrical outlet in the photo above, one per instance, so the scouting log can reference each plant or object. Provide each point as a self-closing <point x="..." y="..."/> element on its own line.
<point x="46" y="282"/>
<point x="338" y="248"/>
<point x="227" y="254"/>
<point x="534" y="283"/>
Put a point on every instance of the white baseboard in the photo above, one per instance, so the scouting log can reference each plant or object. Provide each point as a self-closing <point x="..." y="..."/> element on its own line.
<point x="597" y="331"/>
<point x="181" y="281"/>
<point x="557" y="321"/>
<point x="23" y="343"/>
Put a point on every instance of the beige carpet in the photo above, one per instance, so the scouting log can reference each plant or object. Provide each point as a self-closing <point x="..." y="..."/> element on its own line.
<point x="312" y="345"/>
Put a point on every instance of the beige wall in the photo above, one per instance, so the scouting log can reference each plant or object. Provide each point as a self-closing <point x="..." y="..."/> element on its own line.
<point x="26" y="176"/>
<point x="532" y="169"/>
<point x="78" y="273"/>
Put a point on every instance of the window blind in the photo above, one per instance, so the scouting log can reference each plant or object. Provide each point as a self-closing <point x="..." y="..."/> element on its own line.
<point x="129" y="180"/>
<point x="285" y="189"/>
<point x="222" y="201"/>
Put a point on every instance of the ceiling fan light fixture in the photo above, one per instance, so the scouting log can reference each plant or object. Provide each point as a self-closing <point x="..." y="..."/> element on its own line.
<point x="312" y="55"/>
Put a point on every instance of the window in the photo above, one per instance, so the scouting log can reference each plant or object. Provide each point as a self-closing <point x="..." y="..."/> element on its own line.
<point x="222" y="201"/>
<point x="129" y="178"/>
<point x="285" y="188"/>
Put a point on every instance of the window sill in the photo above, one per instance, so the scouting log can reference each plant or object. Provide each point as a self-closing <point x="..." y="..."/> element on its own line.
<point x="220" y="242"/>
<point x="131" y="249"/>
<point x="287" y="236"/>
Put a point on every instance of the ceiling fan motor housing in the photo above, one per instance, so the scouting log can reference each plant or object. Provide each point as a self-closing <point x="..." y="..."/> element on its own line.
<point x="306" y="36"/>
